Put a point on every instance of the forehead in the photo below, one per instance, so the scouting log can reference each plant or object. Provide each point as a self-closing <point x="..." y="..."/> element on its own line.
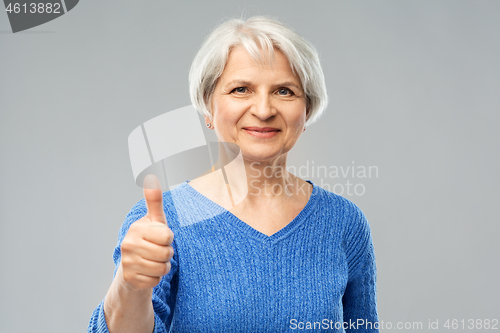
<point x="240" y="62"/>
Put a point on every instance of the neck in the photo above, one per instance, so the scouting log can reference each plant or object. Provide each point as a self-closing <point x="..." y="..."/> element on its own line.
<point x="257" y="181"/>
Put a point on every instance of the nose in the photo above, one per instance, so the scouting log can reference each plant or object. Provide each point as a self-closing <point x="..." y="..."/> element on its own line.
<point x="263" y="107"/>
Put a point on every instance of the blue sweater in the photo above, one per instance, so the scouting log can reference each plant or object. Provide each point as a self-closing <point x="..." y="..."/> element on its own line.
<point x="316" y="274"/>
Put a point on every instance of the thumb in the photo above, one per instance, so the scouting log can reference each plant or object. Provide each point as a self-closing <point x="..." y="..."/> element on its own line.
<point x="154" y="199"/>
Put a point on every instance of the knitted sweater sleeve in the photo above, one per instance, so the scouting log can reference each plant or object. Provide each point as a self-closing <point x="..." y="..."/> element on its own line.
<point x="162" y="300"/>
<point x="359" y="300"/>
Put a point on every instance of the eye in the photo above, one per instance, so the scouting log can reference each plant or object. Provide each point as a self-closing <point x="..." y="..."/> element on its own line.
<point x="239" y="90"/>
<point x="285" y="92"/>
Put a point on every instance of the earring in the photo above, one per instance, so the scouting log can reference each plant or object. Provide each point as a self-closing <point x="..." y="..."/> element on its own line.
<point x="209" y="125"/>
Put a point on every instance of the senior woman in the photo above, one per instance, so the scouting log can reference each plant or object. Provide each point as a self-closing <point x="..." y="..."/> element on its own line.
<point x="287" y="255"/>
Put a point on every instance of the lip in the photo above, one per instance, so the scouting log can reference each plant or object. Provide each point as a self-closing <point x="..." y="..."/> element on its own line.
<point x="262" y="132"/>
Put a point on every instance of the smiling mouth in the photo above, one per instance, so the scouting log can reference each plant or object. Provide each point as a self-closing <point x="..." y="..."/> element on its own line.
<point x="262" y="132"/>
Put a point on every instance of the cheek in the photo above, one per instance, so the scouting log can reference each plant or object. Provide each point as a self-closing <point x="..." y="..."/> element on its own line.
<point x="228" y="112"/>
<point x="298" y="116"/>
<point x="225" y="120"/>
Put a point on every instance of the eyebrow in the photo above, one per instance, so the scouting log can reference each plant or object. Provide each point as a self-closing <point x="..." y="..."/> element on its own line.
<point x="248" y="83"/>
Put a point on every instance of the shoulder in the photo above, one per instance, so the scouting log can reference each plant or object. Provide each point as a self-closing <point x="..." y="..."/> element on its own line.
<point x="356" y="232"/>
<point x="351" y="220"/>
<point x="342" y="207"/>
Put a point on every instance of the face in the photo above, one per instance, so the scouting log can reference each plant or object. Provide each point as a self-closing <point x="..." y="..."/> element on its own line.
<point x="259" y="108"/>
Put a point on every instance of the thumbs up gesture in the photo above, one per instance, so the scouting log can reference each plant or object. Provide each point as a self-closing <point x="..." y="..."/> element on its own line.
<point x="147" y="247"/>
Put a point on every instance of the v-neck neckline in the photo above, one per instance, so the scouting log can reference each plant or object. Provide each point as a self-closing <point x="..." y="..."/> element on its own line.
<point x="234" y="221"/>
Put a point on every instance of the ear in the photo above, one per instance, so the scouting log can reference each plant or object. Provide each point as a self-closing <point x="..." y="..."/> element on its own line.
<point x="207" y="120"/>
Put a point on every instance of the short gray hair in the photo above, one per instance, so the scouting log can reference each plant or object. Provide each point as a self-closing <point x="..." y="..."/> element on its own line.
<point x="256" y="33"/>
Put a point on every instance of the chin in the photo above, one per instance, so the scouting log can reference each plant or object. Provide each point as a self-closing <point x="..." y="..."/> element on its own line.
<point x="260" y="156"/>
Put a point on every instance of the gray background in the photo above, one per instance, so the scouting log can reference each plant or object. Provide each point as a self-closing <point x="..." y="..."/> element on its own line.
<point x="414" y="88"/>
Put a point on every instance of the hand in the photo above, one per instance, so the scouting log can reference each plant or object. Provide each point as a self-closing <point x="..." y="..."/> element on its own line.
<point x="147" y="247"/>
